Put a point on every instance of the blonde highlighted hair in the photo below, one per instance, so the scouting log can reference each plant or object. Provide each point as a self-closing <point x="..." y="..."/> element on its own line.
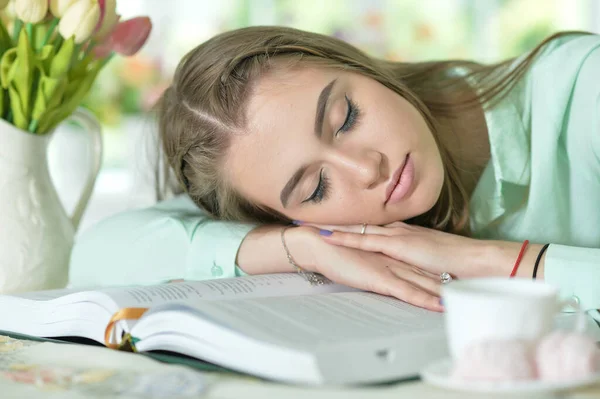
<point x="206" y="104"/>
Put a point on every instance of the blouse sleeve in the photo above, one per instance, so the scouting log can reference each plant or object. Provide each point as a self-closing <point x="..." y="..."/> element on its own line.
<point x="576" y="272"/>
<point x="171" y="240"/>
<point x="574" y="269"/>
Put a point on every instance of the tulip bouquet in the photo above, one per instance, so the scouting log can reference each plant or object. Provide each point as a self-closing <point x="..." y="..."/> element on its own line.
<point x="51" y="52"/>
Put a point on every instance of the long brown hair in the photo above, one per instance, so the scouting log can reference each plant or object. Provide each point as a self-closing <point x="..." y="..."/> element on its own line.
<point x="206" y="104"/>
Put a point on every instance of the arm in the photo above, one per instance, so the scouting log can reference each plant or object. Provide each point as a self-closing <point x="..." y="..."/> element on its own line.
<point x="171" y="240"/>
<point x="175" y="240"/>
<point x="574" y="271"/>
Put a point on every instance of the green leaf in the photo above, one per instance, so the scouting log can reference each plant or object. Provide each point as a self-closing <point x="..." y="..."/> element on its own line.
<point x="20" y="118"/>
<point x="45" y="57"/>
<point x="23" y="75"/>
<point x="61" y="62"/>
<point x="45" y="52"/>
<point x="8" y="67"/>
<point x="74" y="94"/>
<point x="80" y="69"/>
<point x="49" y="95"/>
<point x="5" y="39"/>
<point x="2" y="103"/>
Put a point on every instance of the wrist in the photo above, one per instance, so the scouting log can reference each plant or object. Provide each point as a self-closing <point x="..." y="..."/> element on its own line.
<point x="302" y="243"/>
<point x="501" y="256"/>
<point x="262" y="251"/>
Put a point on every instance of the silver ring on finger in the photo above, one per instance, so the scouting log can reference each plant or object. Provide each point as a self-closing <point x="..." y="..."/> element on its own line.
<point x="445" y="278"/>
<point x="363" y="228"/>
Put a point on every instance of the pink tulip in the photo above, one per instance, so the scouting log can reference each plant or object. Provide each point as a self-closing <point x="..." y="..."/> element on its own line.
<point x="108" y="19"/>
<point x="102" y="4"/>
<point x="127" y="38"/>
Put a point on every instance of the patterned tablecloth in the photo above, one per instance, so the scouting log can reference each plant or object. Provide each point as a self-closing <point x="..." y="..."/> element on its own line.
<point x="47" y="370"/>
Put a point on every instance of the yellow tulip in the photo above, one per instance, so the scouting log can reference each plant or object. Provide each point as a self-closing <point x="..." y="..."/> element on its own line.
<point x="59" y="7"/>
<point x="80" y="20"/>
<point x="31" y="11"/>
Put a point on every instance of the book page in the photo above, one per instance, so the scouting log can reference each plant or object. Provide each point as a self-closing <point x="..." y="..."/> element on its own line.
<point x="44" y="295"/>
<point x="192" y="292"/>
<point x="322" y="319"/>
<point x="40" y="308"/>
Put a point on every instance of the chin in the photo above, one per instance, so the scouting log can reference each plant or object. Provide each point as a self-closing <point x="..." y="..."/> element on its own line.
<point x="428" y="201"/>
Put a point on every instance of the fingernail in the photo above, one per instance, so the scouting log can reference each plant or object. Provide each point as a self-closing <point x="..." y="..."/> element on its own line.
<point x="297" y="222"/>
<point x="442" y="301"/>
<point x="325" y="233"/>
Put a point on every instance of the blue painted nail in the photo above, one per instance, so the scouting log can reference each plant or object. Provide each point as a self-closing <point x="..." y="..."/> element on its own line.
<point x="297" y="222"/>
<point x="325" y="233"/>
<point x="442" y="301"/>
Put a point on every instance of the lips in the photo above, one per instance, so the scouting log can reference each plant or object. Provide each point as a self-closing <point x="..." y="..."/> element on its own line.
<point x="395" y="180"/>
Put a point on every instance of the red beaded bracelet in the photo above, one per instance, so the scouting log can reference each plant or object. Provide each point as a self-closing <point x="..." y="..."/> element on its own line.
<point x="518" y="262"/>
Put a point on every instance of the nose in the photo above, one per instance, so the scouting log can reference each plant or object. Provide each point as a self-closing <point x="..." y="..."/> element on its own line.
<point x="362" y="166"/>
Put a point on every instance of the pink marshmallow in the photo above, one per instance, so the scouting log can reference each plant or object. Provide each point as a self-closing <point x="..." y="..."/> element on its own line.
<point x="498" y="360"/>
<point x="567" y="356"/>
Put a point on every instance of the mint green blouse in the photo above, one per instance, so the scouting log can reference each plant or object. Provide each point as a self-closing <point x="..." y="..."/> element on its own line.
<point x="542" y="184"/>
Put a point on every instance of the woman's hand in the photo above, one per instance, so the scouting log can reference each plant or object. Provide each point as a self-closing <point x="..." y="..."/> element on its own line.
<point x="364" y="270"/>
<point x="435" y="251"/>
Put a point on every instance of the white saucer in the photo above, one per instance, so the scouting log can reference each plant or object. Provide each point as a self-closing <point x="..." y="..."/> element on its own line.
<point x="438" y="374"/>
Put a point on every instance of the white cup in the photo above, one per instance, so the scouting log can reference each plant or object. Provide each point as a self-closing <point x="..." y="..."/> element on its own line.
<point x="498" y="308"/>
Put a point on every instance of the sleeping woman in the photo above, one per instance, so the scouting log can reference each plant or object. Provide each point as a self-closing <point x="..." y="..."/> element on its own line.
<point x="293" y="151"/>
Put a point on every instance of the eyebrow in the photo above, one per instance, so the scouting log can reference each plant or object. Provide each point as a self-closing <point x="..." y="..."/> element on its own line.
<point x="321" y="105"/>
<point x="290" y="186"/>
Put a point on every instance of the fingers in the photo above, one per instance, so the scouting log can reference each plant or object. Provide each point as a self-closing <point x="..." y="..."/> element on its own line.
<point x="414" y="295"/>
<point x="352" y="228"/>
<point x="395" y="224"/>
<point x="425" y="281"/>
<point x="366" y="242"/>
<point x="422" y="299"/>
<point x="402" y="282"/>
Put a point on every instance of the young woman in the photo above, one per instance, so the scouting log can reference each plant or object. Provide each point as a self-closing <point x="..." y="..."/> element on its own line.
<point x="421" y="170"/>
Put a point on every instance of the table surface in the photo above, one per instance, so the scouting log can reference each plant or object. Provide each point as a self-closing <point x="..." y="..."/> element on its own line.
<point x="49" y="370"/>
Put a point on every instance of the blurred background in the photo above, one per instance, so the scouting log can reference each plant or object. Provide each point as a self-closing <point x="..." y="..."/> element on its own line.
<point x="484" y="30"/>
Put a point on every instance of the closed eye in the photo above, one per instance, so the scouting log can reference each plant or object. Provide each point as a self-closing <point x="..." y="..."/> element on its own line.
<point x="322" y="190"/>
<point x="352" y="116"/>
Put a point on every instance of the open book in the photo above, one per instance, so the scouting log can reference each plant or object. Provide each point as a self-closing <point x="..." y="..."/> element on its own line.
<point x="273" y="326"/>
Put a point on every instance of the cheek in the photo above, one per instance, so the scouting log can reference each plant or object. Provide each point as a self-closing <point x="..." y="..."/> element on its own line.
<point x="432" y="181"/>
<point x="398" y="122"/>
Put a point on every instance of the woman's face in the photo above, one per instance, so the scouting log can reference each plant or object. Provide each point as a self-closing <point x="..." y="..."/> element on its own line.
<point x="332" y="147"/>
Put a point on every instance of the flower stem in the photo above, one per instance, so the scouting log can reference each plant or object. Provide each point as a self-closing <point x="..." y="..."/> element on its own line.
<point x="107" y="59"/>
<point x="33" y="126"/>
<point x="30" y="35"/>
<point x="17" y="29"/>
<point x="76" y="54"/>
<point x="58" y="41"/>
<point x="89" y="48"/>
<point x="50" y="31"/>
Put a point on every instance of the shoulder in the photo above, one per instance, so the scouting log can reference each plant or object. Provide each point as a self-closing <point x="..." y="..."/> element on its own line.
<point x="561" y="60"/>
<point x="564" y="89"/>
<point x="181" y="203"/>
<point x="568" y="47"/>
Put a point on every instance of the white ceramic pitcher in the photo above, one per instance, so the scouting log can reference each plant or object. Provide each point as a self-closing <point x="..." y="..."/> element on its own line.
<point x="36" y="235"/>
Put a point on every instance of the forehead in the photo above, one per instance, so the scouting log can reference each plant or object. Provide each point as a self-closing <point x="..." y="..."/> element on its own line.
<point x="285" y="88"/>
<point x="280" y="116"/>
